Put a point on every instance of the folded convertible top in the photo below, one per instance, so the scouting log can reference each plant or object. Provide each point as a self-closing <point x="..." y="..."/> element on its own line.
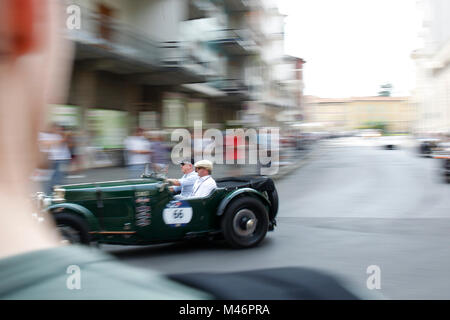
<point x="260" y="183"/>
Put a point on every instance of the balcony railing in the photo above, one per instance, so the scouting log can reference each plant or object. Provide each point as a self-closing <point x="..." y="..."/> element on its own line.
<point x="231" y="86"/>
<point x="114" y="37"/>
<point x="123" y="41"/>
<point x="242" y="5"/>
<point x="176" y="54"/>
<point x="241" y="39"/>
<point x="105" y="37"/>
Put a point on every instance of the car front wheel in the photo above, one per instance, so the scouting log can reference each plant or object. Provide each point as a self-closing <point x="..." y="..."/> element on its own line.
<point x="245" y="222"/>
<point x="73" y="229"/>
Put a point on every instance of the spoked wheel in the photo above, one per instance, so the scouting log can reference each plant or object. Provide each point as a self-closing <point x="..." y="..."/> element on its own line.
<point x="69" y="234"/>
<point x="73" y="229"/>
<point x="245" y="222"/>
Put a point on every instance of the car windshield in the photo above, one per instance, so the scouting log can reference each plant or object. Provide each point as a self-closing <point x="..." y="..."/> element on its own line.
<point x="155" y="172"/>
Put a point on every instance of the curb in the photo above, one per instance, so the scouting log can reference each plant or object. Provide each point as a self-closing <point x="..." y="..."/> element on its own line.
<point x="283" y="172"/>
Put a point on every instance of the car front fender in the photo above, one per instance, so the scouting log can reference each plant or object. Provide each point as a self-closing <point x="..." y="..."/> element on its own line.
<point x="248" y="191"/>
<point x="81" y="211"/>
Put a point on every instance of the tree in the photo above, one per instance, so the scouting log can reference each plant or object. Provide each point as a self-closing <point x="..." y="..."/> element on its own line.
<point x="386" y="90"/>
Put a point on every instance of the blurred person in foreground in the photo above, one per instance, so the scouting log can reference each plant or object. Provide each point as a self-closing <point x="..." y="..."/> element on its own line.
<point x="33" y="263"/>
<point x="185" y="184"/>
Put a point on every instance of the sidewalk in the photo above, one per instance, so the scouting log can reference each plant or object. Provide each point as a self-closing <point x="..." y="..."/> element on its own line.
<point x="296" y="159"/>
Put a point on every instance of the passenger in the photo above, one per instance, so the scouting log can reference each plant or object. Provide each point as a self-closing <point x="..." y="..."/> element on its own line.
<point x="205" y="183"/>
<point x="186" y="183"/>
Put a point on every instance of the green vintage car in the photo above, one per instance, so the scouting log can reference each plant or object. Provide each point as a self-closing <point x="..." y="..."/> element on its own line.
<point x="144" y="211"/>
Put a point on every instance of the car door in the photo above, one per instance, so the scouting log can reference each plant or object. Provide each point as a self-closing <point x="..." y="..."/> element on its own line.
<point x="116" y="209"/>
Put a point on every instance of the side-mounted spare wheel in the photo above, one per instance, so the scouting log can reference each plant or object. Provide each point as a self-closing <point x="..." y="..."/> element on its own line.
<point x="245" y="222"/>
<point x="73" y="228"/>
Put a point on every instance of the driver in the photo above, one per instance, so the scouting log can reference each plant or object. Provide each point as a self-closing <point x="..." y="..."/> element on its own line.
<point x="187" y="181"/>
<point x="205" y="183"/>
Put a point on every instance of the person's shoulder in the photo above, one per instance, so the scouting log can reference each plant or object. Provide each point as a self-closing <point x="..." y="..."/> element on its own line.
<point x="192" y="178"/>
<point x="130" y="139"/>
<point x="75" y="272"/>
<point x="211" y="180"/>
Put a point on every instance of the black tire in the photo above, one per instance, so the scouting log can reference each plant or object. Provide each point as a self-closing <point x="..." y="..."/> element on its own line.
<point x="73" y="228"/>
<point x="238" y="214"/>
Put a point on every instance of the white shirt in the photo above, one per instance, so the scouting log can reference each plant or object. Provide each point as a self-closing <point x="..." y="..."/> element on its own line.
<point x="186" y="184"/>
<point x="203" y="186"/>
<point x="57" y="151"/>
<point x="135" y="143"/>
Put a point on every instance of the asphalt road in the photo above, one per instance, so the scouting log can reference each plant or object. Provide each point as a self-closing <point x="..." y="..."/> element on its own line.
<point x="353" y="205"/>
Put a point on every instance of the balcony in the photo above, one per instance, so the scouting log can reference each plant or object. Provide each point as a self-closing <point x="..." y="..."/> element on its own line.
<point x="178" y="57"/>
<point x="241" y="5"/>
<point x="236" y="41"/>
<point x="104" y="38"/>
<point x="112" y="46"/>
<point x="235" y="89"/>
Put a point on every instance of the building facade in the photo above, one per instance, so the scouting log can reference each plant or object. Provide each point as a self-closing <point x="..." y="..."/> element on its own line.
<point x="396" y="114"/>
<point x="432" y="93"/>
<point x="164" y="63"/>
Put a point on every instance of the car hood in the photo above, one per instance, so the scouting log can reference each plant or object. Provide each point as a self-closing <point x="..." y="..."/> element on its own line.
<point x="105" y="184"/>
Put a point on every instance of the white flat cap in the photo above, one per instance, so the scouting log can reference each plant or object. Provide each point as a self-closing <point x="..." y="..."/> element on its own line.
<point x="204" y="164"/>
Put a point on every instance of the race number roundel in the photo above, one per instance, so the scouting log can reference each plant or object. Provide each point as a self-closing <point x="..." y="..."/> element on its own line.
<point x="177" y="213"/>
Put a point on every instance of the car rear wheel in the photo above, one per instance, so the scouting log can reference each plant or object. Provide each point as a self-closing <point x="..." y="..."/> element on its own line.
<point x="273" y="198"/>
<point x="73" y="229"/>
<point x="245" y="222"/>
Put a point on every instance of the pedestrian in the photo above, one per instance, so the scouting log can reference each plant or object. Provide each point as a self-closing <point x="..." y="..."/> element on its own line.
<point x="74" y="148"/>
<point x="138" y="150"/>
<point x="159" y="153"/>
<point x="54" y="143"/>
<point x="234" y="153"/>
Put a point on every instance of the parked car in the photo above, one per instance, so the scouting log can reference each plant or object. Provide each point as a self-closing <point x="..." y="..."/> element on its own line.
<point x="427" y="147"/>
<point x="445" y="165"/>
<point x="390" y="143"/>
<point x="143" y="211"/>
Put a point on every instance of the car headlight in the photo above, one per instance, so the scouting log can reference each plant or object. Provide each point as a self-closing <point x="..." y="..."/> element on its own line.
<point x="42" y="201"/>
<point x="59" y="194"/>
<point x="46" y="202"/>
<point x="39" y="198"/>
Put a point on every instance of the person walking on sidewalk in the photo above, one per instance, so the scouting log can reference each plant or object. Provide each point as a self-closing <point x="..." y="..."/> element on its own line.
<point x="160" y="153"/>
<point x="137" y="153"/>
<point x="54" y="143"/>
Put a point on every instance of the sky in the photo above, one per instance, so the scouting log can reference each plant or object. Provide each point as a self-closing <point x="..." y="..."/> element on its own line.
<point x="351" y="47"/>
